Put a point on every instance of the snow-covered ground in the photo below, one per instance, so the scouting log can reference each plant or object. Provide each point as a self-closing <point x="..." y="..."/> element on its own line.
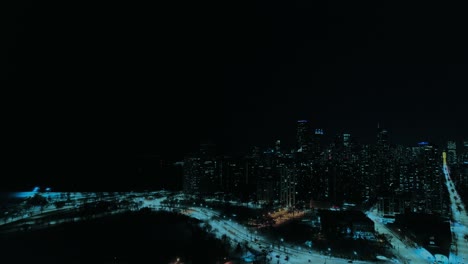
<point x="406" y="252"/>
<point x="240" y="234"/>
<point x="225" y="226"/>
<point x="459" y="226"/>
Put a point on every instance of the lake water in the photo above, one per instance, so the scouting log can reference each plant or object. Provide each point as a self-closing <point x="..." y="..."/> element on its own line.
<point x="128" y="238"/>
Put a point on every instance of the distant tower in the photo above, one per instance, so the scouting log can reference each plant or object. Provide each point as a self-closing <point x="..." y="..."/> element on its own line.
<point x="465" y="152"/>
<point x="383" y="175"/>
<point x="382" y="136"/>
<point x="317" y="141"/>
<point x="192" y="174"/>
<point x="464" y="166"/>
<point x="278" y="146"/>
<point x="303" y="136"/>
<point x="346" y="139"/>
<point x="451" y="152"/>
<point x="201" y="170"/>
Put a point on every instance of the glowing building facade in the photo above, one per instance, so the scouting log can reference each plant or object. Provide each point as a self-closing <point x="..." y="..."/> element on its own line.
<point x="451" y="152"/>
<point x="303" y="136"/>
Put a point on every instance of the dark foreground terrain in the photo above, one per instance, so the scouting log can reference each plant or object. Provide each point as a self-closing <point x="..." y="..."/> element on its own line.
<point x="137" y="237"/>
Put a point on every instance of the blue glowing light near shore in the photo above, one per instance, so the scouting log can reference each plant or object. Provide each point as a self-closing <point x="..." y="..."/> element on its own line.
<point x="22" y="194"/>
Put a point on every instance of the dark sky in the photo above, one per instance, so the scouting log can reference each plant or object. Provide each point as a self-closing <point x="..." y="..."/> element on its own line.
<point x="87" y="87"/>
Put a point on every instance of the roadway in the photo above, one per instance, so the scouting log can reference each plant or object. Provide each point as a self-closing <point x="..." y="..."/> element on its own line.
<point x="406" y="253"/>
<point x="241" y="234"/>
<point x="235" y="231"/>
<point x="459" y="225"/>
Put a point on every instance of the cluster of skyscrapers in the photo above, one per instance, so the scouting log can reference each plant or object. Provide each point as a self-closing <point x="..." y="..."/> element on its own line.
<point x="336" y="170"/>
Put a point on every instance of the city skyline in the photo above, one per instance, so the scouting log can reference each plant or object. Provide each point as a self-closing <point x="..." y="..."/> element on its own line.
<point x="264" y="132"/>
<point x="94" y="93"/>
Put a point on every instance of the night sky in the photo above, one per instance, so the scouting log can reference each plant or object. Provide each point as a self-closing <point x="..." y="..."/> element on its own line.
<point x="86" y="88"/>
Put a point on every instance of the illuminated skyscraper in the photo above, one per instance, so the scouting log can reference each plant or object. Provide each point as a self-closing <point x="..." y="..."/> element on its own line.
<point x="287" y="186"/>
<point x="278" y="146"/>
<point x="465" y="152"/>
<point x="382" y="161"/>
<point x="303" y="136"/>
<point x="346" y="140"/>
<point x="451" y="153"/>
<point x="317" y="142"/>
<point x="201" y="171"/>
<point x="464" y="166"/>
<point x="192" y="174"/>
<point x="430" y="177"/>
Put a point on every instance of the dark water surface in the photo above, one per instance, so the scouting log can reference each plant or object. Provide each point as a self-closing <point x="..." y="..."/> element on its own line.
<point x="142" y="237"/>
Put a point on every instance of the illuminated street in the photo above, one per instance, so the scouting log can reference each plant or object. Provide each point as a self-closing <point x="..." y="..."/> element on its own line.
<point x="459" y="225"/>
<point x="241" y="234"/>
<point x="227" y="226"/>
<point x="408" y="253"/>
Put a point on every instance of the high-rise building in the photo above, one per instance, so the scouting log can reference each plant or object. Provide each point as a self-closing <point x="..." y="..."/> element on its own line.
<point x="464" y="167"/>
<point x="346" y="140"/>
<point x="287" y="186"/>
<point x="382" y="162"/>
<point x="465" y="152"/>
<point x="232" y="175"/>
<point x="267" y="184"/>
<point x="317" y="141"/>
<point x="430" y="177"/>
<point x="278" y="146"/>
<point x="451" y="152"/>
<point x="303" y="136"/>
<point x="382" y="136"/>
<point x="202" y="171"/>
<point x="192" y="174"/>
